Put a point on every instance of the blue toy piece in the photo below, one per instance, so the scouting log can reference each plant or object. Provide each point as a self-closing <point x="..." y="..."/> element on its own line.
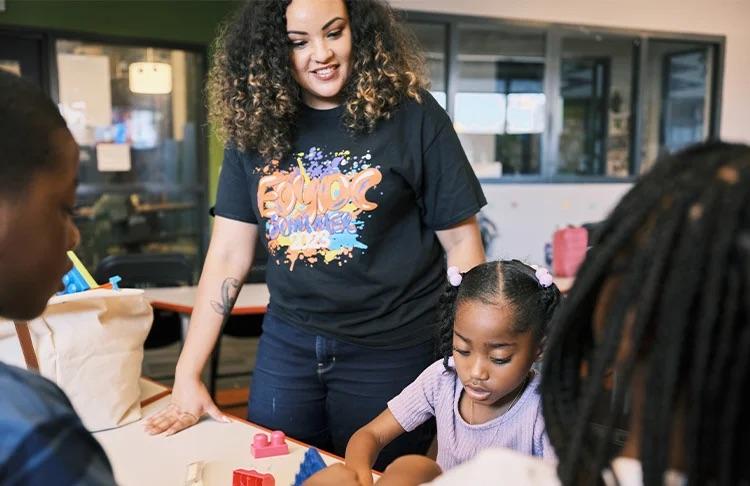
<point x="114" y="281"/>
<point x="74" y="282"/>
<point x="311" y="464"/>
<point x="78" y="278"/>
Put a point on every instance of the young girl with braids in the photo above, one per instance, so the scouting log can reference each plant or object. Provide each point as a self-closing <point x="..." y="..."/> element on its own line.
<point x="483" y="392"/>
<point x="663" y="301"/>
<point x="352" y="175"/>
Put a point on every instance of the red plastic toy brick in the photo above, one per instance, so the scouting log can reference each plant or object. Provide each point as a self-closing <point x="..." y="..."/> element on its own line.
<point x="251" y="477"/>
<point x="261" y="446"/>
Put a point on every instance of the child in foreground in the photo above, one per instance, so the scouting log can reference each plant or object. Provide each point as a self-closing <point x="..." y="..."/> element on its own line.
<point x="42" y="440"/>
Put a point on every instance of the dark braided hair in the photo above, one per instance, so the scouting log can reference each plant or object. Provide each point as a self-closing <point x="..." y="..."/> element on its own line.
<point x="674" y="256"/>
<point x="508" y="282"/>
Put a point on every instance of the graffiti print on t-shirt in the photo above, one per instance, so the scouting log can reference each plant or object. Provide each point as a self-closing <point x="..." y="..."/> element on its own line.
<point x="315" y="211"/>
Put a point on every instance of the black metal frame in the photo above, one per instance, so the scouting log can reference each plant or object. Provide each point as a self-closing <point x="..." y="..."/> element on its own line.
<point x="605" y="64"/>
<point x="44" y="54"/>
<point x="665" y="88"/>
<point x="555" y="32"/>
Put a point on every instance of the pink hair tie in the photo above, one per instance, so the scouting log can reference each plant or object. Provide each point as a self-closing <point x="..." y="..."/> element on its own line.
<point x="544" y="277"/>
<point x="454" y="276"/>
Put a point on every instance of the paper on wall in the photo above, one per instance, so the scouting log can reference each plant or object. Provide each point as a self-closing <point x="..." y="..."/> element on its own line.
<point x="113" y="157"/>
<point x="85" y="93"/>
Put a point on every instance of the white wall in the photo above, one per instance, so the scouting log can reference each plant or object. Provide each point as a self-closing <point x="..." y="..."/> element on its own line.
<point x="527" y="214"/>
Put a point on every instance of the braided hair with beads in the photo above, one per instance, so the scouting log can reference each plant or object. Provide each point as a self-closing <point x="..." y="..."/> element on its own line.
<point x="674" y="256"/>
<point x="505" y="282"/>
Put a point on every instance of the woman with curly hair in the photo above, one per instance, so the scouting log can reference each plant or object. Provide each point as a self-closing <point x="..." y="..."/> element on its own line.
<point x="338" y="156"/>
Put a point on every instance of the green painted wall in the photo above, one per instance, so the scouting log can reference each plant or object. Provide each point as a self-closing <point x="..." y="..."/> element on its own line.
<point x="176" y="20"/>
<point x="187" y="21"/>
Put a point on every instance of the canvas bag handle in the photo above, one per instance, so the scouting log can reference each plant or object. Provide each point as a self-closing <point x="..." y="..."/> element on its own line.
<point x="24" y="337"/>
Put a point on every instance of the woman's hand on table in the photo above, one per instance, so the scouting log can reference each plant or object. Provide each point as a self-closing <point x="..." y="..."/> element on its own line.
<point x="190" y="401"/>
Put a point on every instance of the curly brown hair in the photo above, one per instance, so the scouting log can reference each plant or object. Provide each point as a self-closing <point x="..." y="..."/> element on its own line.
<point x="254" y="100"/>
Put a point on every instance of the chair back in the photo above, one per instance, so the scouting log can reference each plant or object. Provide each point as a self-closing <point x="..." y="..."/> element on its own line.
<point x="142" y="270"/>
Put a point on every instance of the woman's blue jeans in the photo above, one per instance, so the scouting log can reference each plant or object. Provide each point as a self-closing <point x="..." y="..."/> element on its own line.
<point x="320" y="390"/>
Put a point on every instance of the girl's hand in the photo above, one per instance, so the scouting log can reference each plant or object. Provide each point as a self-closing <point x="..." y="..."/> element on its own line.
<point x="336" y="475"/>
<point x="410" y="470"/>
<point x="190" y="401"/>
<point x="364" y="476"/>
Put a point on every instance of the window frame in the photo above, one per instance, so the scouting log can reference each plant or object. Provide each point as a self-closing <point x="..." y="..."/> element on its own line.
<point x="554" y="35"/>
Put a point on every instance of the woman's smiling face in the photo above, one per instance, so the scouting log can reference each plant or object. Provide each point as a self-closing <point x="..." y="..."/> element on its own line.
<point x="320" y="42"/>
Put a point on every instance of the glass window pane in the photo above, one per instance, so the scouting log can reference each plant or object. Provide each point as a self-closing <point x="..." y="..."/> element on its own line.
<point x="679" y="97"/>
<point x="500" y="102"/>
<point x="480" y="113"/>
<point x="432" y="38"/>
<point x="134" y="111"/>
<point x="596" y="91"/>
<point x="525" y="113"/>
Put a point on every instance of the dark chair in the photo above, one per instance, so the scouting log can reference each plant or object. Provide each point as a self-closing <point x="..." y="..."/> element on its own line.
<point x="145" y="270"/>
<point x="151" y="270"/>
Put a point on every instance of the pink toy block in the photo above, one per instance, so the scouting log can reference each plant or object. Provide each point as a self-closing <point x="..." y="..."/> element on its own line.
<point x="251" y="477"/>
<point x="261" y="447"/>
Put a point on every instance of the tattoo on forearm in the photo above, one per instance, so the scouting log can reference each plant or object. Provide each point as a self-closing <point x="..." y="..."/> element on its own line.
<point x="230" y="289"/>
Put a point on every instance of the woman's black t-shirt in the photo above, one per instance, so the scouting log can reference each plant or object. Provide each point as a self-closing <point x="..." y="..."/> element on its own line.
<point x="349" y="221"/>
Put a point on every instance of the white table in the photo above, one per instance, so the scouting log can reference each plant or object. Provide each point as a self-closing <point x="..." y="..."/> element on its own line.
<point x="140" y="459"/>
<point x="253" y="299"/>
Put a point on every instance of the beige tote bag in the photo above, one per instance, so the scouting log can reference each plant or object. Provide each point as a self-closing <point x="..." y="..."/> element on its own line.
<point x="91" y="344"/>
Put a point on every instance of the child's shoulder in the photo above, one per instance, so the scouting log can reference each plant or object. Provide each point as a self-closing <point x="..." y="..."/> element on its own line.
<point x="529" y="404"/>
<point x="534" y="389"/>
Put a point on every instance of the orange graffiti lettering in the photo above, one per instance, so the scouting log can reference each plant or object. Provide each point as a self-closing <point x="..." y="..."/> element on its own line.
<point x="280" y="193"/>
